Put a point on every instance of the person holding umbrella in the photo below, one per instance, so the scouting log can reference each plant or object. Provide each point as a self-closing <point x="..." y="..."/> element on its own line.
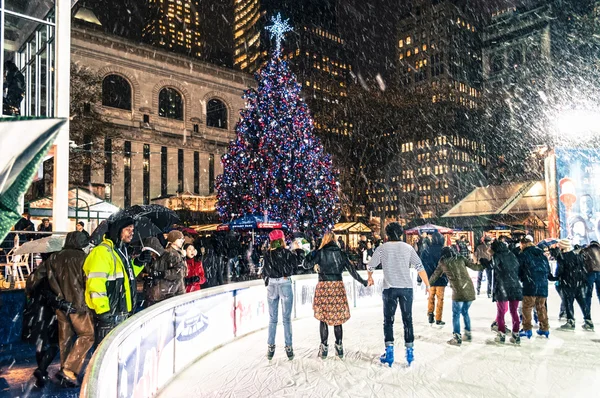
<point x="168" y="271"/>
<point x="110" y="288"/>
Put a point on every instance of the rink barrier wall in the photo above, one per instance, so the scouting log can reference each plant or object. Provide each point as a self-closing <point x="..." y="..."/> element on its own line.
<point x="141" y="356"/>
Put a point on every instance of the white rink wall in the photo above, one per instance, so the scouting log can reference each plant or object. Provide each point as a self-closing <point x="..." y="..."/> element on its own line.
<point x="143" y="354"/>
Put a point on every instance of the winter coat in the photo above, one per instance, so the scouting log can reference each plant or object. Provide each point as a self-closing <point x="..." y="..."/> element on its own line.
<point x="534" y="270"/>
<point x="39" y="317"/>
<point x="591" y="255"/>
<point x="65" y="271"/>
<point x="455" y="269"/>
<point x="172" y="281"/>
<point x="505" y="280"/>
<point x="279" y="263"/>
<point x="214" y="268"/>
<point x="463" y="248"/>
<point x="483" y="252"/>
<point x="430" y="258"/>
<point x="570" y="270"/>
<point x="110" y="285"/>
<point x="194" y="270"/>
<point x="330" y="261"/>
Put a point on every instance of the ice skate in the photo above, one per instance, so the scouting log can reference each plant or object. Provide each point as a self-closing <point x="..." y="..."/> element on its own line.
<point x="440" y="323"/>
<point x="569" y="326"/>
<point x="456" y="340"/>
<point x="430" y="316"/>
<point x="494" y="326"/>
<point x="467" y="336"/>
<point x="526" y="333"/>
<point x="388" y="355"/>
<point x="289" y="352"/>
<point x="270" y="351"/>
<point x="410" y="355"/>
<point x="339" y="350"/>
<point x="323" y="351"/>
<point x="588" y="326"/>
<point x="515" y="338"/>
<point x="543" y="333"/>
<point x="500" y="338"/>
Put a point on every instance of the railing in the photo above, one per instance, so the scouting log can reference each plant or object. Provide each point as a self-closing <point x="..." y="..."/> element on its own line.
<point x="142" y="355"/>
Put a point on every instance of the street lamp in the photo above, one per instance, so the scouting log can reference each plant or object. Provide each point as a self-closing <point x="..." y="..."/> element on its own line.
<point x="577" y="125"/>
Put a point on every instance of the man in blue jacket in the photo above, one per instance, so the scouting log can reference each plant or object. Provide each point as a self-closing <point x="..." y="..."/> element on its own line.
<point x="534" y="270"/>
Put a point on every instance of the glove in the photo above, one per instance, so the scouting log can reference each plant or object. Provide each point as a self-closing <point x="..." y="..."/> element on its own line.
<point x="157" y="274"/>
<point x="66" y="307"/>
<point x="192" y="279"/>
<point x="143" y="259"/>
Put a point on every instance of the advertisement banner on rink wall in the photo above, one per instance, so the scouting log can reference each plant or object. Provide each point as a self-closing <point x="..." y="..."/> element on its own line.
<point x="369" y="296"/>
<point x="146" y="357"/>
<point x="577" y="175"/>
<point x="304" y="295"/>
<point x="201" y="325"/>
<point x="251" y="310"/>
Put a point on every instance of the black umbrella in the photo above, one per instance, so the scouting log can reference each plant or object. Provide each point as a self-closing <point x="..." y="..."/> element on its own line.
<point x="150" y="220"/>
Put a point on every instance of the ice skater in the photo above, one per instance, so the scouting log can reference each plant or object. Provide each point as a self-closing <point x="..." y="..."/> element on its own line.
<point x="277" y="271"/>
<point x="454" y="266"/>
<point x="430" y="258"/>
<point x="331" y="300"/>
<point x="396" y="258"/>
<point x="506" y="290"/>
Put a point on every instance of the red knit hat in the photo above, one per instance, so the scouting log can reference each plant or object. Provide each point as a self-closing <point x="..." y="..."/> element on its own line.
<point x="276" y="234"/>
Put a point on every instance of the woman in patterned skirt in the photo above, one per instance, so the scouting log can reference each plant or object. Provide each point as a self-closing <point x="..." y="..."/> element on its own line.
<point x="331" y="301"/>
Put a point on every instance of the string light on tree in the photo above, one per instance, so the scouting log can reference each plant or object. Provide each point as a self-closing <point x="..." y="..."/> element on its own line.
<point x="276" y="166"/>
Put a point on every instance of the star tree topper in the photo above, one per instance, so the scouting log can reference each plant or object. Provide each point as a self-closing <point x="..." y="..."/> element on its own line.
<point x="278" y="29"/>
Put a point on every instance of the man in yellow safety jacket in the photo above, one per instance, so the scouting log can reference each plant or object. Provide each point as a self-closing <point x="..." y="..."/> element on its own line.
<point x="110" y="289"/>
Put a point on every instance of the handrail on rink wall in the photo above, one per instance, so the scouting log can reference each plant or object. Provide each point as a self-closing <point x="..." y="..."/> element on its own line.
<point x="143" y="354"/>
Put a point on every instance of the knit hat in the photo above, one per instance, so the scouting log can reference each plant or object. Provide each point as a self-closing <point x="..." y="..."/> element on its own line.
<point x="174" y="235"/>
<point x="276" y="234"/>
<point x="565" y="245"/>
<point x="529" y="238"/>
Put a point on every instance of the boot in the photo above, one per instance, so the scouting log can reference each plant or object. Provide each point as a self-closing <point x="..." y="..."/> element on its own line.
<point x="543" y="333"/>
<point x="526" y="333"/>
<point x="515" y="338"/>
<point x="388" y="355"/>
<point x="41" y="378"/>
<point x="430" y="316"/>
<point x="440" y="323"/>
<point x="67" y="378"/>
<point x="588" y="325"/>
<point x="289" y="351"/>
<point x="467" y="336"/>
<point x="323" y="351"/>
<point x="270" y="351"/>
<point x="500" y="338"/>
<point x="455" y="340"/>
<point x="570" y="325"/>
<point x="339" y="350"/>
<point x="494" y="326"/>
<point x="410" y="355"/>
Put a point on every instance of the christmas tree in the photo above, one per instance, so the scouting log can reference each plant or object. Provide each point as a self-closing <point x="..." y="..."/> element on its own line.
<point x="276" y="167"/>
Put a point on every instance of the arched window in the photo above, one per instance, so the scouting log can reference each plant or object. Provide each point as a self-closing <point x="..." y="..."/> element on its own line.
<point x="216" y="114"/>
<point x="170" y="104"/>
<point x="116" y="92"/>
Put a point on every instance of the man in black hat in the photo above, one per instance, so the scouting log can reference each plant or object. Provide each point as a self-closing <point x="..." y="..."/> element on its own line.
<point x="110" y="289"/>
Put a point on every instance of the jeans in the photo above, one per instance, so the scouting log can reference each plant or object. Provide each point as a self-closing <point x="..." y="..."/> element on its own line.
<point x="570" y="295"/>
<point x="593" y="278"/>
<point x="488" y="275"/>
<point x="280" y="288"/>
<point x="502" y="308"/>
<point x="458" y="308"/>
<point x="391" y="298"/>
<point x="436" y="292"/>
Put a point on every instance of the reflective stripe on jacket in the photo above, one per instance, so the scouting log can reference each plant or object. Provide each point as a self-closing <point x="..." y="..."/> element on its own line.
<point x="107" y="280"/>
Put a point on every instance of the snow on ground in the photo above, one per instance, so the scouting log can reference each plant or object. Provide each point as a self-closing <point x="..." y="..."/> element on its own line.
<point x="566" y="365"/>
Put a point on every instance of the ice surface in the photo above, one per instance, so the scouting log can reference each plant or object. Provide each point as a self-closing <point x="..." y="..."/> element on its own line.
<point x="566" y="365"/>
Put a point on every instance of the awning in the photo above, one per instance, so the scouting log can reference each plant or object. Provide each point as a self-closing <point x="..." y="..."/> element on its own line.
<point x="205" y="228"/>
<point x="351" y="227"/>
<point x="83" y="204"/>
<point x="514" y="198"/>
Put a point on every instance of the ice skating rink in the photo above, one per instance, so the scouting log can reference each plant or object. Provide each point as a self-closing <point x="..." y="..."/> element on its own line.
<point x="566" y="365"/>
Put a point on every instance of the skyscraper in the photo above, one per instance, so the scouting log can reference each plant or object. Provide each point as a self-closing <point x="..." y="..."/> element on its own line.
<point x="247" y="35"/>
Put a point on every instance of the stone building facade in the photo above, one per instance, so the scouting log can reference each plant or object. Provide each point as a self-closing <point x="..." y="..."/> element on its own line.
<point x="175" y="117"/>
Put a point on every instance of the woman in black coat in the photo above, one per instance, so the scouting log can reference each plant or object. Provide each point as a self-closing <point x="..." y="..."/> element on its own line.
<point x="331" y="301"/>
<point x="507" y="291"/>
